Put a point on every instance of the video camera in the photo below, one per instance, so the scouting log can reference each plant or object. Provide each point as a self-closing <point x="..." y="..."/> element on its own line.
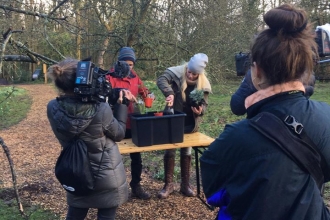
<point x="91" y="83"/>
<point x="323" y="40"/>
<point x="243" y="63"/>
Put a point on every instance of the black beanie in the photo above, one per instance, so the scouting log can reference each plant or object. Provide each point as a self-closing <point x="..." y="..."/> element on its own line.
<point x="126" y="53"/>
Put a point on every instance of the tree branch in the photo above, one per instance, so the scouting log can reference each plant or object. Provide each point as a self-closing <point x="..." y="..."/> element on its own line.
<point x="18" y="58"/>
<point x="28" y="51"/>
<point x="46" y="37"/>
<point x="59" y="5"/>
<point x="30" y="13"/>
<point x="13" y="174"/>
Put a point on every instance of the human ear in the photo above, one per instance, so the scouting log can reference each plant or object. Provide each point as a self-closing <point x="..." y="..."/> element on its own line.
<point x="256" y="70"/>
<point x="256" y="75"/>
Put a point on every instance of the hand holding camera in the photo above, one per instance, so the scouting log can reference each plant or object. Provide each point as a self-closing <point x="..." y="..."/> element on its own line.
<point x="125" y="96"/>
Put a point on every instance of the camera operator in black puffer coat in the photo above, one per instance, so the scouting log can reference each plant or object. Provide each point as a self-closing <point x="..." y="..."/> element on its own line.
<point x="99" y="128"/>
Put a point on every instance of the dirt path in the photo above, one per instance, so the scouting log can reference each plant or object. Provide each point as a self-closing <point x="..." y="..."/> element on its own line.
<point x="34" y="150"/>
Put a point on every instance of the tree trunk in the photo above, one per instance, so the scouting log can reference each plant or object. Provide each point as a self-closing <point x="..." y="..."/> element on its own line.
<point x="100" y="56"/>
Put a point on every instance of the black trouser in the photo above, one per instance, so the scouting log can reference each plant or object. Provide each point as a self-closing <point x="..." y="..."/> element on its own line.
<point x="136" y="163"/>
<point x="80" y="213"/>
<point x="136" y="168"/>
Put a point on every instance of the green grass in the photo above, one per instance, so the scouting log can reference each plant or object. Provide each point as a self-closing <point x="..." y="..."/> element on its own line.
<point x="9" y="211"/>
<point x="321" y="92"/>
<point x="14" y="105"/>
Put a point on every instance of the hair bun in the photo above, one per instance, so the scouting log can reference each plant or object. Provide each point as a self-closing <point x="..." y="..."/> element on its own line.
<point x="58" y="70"/>
<point x="287" y="19"/>
<point x="55" y="71"/>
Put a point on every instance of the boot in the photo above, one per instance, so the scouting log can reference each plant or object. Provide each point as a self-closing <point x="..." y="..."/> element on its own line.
<point x="168" y="170"/>
<point x="136" y="171"/>
<point x="185" y="162"/>
<point x="137" y="191"/>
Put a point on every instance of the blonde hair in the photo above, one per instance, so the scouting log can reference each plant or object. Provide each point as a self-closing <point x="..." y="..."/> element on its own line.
<point x="201" y="81"/>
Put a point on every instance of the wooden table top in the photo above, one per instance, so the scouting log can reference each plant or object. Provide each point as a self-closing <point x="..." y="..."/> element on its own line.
<point x="196" y="139"/>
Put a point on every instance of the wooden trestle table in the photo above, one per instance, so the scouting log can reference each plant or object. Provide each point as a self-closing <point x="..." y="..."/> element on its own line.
<point x="195" y="140"/>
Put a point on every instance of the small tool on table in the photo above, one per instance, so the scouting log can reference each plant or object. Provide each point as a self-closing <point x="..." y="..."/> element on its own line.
<point x="168" y="109"/>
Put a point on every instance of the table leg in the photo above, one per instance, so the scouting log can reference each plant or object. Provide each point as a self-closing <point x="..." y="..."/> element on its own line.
<point x="197" y="172"/>
<point x="198" y="178"/>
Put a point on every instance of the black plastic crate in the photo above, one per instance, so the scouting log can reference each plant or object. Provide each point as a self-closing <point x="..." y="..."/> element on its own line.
<point x="148" y="129"/>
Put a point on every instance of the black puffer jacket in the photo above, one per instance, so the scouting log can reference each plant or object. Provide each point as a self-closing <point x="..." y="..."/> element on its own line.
<point x="96" y="125"/>
<point x="249" y="177"/>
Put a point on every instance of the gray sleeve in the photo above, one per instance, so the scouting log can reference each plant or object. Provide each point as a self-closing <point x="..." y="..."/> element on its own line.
<point x="164" y="83"/>
<point x="114" y="128"/>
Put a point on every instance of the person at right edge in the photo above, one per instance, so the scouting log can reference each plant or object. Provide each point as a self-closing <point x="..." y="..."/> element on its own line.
<point x="176" y="83"/>
<point x="243" y="172"/>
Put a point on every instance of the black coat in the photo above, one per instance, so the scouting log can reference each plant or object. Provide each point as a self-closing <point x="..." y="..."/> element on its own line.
<point x="96" y="125"/>
<point x="249" y="177"/>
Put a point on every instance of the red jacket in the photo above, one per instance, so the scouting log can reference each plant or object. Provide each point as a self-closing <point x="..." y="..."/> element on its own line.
<point x="134" y="84"/>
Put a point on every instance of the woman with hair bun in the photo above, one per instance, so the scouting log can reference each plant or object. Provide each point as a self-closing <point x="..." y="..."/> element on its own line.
<point x="245" y="173"/>
<point x="94" y="123"/>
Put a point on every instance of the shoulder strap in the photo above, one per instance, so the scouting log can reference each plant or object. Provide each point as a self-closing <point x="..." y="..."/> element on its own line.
<point x="302" y="153"/>
<point x="291" y="122"/>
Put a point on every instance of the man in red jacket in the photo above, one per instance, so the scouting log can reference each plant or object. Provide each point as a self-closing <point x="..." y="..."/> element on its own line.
<point x="135" y="85"/>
